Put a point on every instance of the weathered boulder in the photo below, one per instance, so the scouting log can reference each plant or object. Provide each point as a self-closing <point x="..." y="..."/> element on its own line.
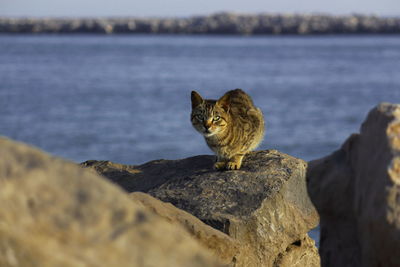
<point x="263" y="207"/>
<point x="356" y="191"/>
<point x="223" y="246"/>
<point x="54" y="213"/>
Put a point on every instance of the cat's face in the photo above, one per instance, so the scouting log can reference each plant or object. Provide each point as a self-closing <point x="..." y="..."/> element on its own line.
<point x="209" y="117"/>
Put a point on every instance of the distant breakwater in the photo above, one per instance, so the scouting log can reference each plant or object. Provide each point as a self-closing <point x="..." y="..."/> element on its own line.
<point x="222" y="23"/>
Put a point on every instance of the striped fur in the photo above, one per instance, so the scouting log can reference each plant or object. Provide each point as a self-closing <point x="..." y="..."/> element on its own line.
<point x="232" y="126"/>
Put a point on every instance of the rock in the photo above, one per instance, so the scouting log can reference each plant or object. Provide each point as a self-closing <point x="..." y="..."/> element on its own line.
<point x="263" y="206"/>
<point x="356" y="191"/>
<point x="54" y="213"/>
<point x="221" y="244"/>
<point x="220" y="23"/>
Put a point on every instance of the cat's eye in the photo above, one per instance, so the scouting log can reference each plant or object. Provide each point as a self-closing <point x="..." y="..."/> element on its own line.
<point x="217" y="118"/>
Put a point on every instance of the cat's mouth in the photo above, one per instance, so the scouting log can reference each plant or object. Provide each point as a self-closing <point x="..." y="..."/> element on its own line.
<point x="208" y="133"/>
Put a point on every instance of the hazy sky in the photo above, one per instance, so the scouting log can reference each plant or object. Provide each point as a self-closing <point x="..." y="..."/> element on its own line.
<point x="78" y="8"/>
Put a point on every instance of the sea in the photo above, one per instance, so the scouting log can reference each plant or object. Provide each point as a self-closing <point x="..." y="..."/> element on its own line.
<point x="126" y="98"/>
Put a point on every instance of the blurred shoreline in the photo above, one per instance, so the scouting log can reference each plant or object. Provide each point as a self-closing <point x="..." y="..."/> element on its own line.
<point x="221" y="23"/>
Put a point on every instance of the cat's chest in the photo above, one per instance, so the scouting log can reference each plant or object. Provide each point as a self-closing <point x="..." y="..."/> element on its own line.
<point x="219" y="148"/>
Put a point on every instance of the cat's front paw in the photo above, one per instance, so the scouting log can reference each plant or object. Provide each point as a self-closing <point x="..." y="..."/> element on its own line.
<point x="220" y="165"/>
<point x="233" y="165"/>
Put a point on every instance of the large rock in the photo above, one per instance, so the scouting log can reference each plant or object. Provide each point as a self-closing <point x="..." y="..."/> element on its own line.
<point x="223" y="246"/>
<point x="356" y="191"/>
<point x="54" y="213"/>
<point x="263" y="206"/>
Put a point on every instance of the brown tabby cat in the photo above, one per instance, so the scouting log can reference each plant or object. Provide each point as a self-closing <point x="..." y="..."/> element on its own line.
<point x="232" y="126"/>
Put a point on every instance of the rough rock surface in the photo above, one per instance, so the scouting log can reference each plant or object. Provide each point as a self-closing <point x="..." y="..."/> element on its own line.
<point x="221" y="23"/>
<point x="54" y="213"/>
<point x="263" y="206"/>
<point x="223" y="246"/>
<point x="356" y="191"/>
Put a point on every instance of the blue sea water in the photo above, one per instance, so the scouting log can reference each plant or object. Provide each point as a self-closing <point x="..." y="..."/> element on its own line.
<point x="126" y="98"/>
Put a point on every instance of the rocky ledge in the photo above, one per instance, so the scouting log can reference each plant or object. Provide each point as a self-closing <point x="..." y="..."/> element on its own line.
<point x="222" y="23"/>
<point x="56" y="213"/>
<point x="262" y="210"/>
<point x="183" y="213"/>
<point x="356" y="191"/>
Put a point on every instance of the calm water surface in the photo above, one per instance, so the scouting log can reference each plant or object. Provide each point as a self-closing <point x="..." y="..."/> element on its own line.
<point x="127" y="98"/>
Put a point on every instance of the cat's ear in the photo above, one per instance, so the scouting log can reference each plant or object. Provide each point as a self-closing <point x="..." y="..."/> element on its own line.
<point x="224" y="101"/>
<point x="196" y="99"/>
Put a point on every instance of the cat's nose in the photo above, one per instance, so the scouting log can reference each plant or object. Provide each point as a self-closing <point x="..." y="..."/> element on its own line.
<point x="207" y="125"/>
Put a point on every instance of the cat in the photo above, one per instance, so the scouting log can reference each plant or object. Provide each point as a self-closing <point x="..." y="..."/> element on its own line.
<point x="232" y="126"/>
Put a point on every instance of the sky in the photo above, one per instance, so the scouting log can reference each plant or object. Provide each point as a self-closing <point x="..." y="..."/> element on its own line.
<point x="182" y="8"/>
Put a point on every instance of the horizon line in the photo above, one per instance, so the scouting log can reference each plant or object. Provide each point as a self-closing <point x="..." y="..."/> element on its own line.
<point x="244" y="14"/>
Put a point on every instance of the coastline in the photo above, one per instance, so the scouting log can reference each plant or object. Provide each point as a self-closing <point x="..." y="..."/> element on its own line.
<point x="221" y="23"/>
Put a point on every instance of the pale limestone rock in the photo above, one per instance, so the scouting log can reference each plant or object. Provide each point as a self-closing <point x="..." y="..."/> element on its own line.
<point x="54" y="213"/>
<point x="356" y="191"/>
